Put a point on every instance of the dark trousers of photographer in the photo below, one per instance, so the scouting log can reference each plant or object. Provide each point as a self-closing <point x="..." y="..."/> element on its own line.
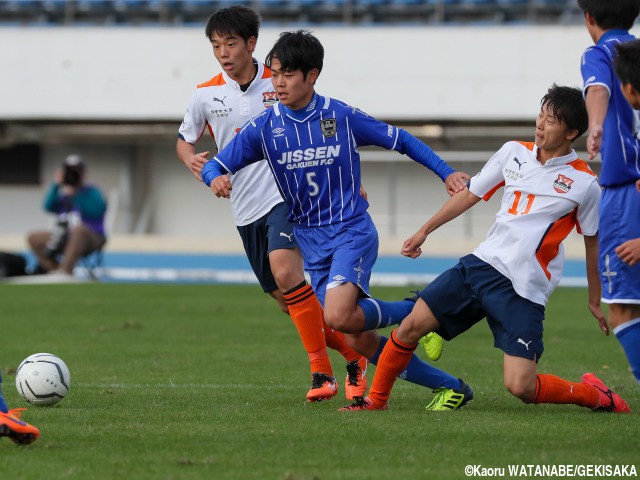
<point x="80" y="241"/>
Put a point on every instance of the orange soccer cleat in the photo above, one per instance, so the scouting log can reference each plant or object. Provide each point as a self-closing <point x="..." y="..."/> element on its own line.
<point x="362" y="404"/>
<point x="323" y="387"/>
<point x="355" y="385"/>
<point x="20" y="432"/>
<point x="609" y="401"/>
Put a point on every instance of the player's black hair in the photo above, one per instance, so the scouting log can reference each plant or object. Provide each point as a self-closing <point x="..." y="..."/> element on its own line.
<point x="610" y="14"/>
<point x="236" y="20"/>
<point x="297" y="51"/>
<point x="567" y="105"/>
<point x="627" y="63"/>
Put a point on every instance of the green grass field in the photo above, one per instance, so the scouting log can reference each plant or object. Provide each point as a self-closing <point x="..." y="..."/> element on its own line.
<point x="208" y="382"/>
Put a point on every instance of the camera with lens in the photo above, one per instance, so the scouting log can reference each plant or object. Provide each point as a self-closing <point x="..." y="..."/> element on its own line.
<point x="71" y="175"/>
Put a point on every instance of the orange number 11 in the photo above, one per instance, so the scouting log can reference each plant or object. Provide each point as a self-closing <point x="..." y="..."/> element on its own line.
<point x="514" y="208"/>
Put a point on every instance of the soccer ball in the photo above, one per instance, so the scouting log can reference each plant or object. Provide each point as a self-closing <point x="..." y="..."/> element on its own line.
<point x="43" y="379"/>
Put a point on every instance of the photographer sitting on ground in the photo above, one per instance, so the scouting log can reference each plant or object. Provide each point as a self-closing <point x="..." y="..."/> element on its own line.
<point x="79" y="228"/>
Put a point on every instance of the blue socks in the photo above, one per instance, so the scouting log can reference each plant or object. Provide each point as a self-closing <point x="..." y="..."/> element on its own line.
<point x="3" y="404"/>
<point x="420" y="372"/>
<point x="628" y="335"/>
<point x="379" y="314"/>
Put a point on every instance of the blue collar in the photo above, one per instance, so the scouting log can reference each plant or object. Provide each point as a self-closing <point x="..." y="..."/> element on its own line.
<point x="611" y="33"/>
<point x="305" y="111"/>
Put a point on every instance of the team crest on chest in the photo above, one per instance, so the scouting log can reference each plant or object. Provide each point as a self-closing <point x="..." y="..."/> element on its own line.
<point x="562" y="184"/>
<point x="328" y="126"/>
<point x="269" y="99"/>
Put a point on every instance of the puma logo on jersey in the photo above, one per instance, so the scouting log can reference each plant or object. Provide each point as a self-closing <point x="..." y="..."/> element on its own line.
<point x="216" y="99"/>
<point x="562" y="184"/>
<point x="282" y="234"/>
<point x="526" y="344"/>
<point x="515" y="159"/>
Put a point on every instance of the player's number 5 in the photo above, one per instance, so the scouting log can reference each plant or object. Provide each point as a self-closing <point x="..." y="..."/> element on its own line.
<point x="315" y="189"/>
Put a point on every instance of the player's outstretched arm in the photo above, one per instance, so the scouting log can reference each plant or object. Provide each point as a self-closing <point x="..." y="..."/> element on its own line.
<point x="593" y="282"/>
<point x="597" y="101"/>
<point x="193" y="161"/>
<point x="455" y="206"/>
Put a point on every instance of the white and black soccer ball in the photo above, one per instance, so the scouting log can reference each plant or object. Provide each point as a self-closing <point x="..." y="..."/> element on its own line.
<point x="43" y="379"/>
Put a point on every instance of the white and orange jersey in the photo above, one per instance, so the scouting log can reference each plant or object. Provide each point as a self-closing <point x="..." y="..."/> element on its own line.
<point x="222" y="107"/>
<point x="540" y="206"/>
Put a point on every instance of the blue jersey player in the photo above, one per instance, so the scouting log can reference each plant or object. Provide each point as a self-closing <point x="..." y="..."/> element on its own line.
<point x="627" y="65"/>
<point x="311" y="143"/>
<point x="613" y="126"/>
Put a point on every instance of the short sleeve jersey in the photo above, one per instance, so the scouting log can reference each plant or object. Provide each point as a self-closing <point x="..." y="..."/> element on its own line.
<point x="620" y="149"/>
<point x="222" y="107"/>
<point x="314" y="156"/>
<point x="540" y="206"/>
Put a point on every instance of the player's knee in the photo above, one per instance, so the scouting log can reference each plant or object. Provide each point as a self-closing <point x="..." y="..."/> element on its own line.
<point x="342" y="321"/>
<point x="286" y="278"/>
<point x="521" y="389"/>
<point x="412" y="329"/>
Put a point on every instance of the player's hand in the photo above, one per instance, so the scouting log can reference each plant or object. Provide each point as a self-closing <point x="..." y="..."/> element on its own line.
<point x="597" y="312"/>
<point x="629" y="251"/>
<point x="363" y="192"/>
<point x="456" y="182"/>
<point x="411" y="247"/>
<point x="594" y="142"/>
<point x="638" y="185"/>
<point x="196" y="163"/>
<point x="221" y="186"/>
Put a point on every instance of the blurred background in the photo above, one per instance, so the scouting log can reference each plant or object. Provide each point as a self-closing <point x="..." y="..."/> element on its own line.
<point x="111" y="80"/>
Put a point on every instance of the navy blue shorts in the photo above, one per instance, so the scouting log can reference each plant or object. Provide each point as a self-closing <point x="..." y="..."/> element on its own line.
<point x="619" y="222"/>
<point x="473" y="290"/>
<point x="268" y="233"/>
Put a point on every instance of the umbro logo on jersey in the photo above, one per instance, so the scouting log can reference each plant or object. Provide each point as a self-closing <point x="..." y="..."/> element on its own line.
<point x="216" y="99"/>
<point x="269" y="99"/>
<point x="562" y="184"/>
<point x="339" y="278"/>
<point x="278" y="131"/>
<point x="328" y="126"/>
<point x="311" y="106"/>
<point x="515" y="159"/>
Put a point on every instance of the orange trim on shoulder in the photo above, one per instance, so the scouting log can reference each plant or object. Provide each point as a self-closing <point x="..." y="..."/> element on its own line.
<point x="529" y="145"/>
<point x="550" y="244"/>
<point x="214" y="82"/>
<point x="490" y="193"/>
<point x="581" y="166"/>
<point x="266" y="73"/>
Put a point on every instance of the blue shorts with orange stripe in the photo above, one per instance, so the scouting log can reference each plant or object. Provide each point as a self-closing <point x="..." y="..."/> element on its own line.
<point x="472" y="290"/>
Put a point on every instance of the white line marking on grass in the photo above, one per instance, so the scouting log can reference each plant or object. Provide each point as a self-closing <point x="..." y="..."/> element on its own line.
<point x="213" y="386"/>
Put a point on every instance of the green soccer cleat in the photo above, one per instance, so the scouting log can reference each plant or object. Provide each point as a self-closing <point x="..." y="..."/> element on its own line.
<point x="450" y="399"/>
<point x="433" y="345"/>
